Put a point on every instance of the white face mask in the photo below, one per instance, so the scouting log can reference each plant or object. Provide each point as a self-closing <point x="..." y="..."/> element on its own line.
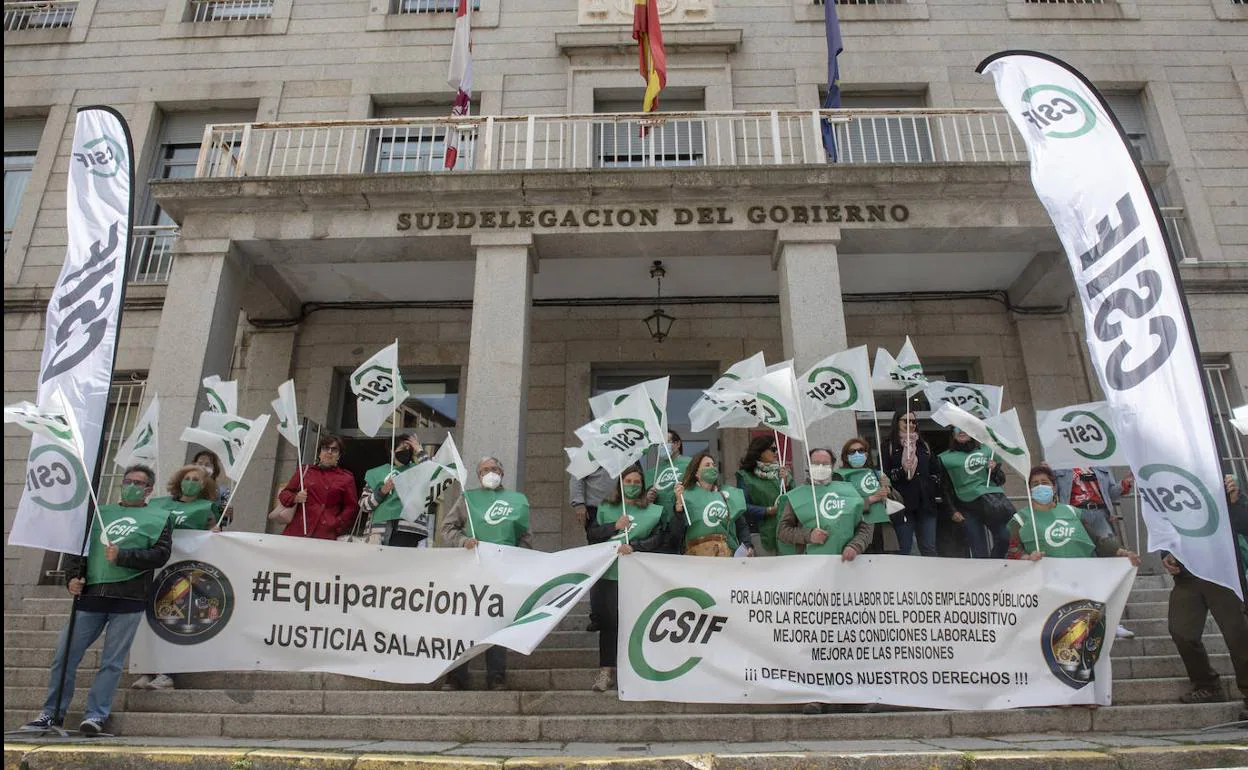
<point x="821" y="474"/>
<point x="209" y="470"/>
<point x="492" y="480"/>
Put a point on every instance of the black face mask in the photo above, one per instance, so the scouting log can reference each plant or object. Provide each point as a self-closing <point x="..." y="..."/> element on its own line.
<point x="403" y="456"/>
<point x="964" y="446"/>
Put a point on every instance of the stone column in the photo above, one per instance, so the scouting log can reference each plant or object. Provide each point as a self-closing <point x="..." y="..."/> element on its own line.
<point x="496" y="401"/>
<point x="812" y="314"/>
<point x="266" y="366"/>
<point x="196" y="338"/>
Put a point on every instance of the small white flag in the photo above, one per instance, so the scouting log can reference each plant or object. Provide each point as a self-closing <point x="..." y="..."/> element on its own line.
<point x="901" y="373"/>
<point x="378" y="388"/>
<point x="722" y="403"/>
<point x="1240" y="419"/>
<point x="143" y="445"/>
<point x="580" y="462"/>
<point x="625" y="433"/>
<point x="776" y="404"/>
<point x="287" y="413"/>
<point x="222" y="395"/>
<point x="233" y="438"/>
<point x="1002" y="434"/>
<point x="448" y="457"/>
<point x="1080" y="435"/>
<point x="421" y="486"/>
<point x="53" y="421"/>
<point x="983" y="401"/>
<point x="656" y="389"/>
<point x="840" y="381"/>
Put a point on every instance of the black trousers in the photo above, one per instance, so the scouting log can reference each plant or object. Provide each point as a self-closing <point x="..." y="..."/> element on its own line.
<point x="1191" y="602"/>
<point x="591" y="518"/>
<point x="495" y="668"/>
<point x="604" y="605"/>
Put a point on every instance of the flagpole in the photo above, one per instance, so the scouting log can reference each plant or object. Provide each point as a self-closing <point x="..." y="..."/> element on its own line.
<point x="624" y="509"/>
<point x="676" y="474"/>
<point x="801" y="420"/>
<point x="303" y="507"/>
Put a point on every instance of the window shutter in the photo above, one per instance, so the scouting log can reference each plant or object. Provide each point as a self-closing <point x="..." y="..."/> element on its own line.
<point x="1128" y="107"/>
<point x="677" y="142"/>
<point x="885" y="139"/>
<point x="22" y="135"/>
<point x="188" y="127"/>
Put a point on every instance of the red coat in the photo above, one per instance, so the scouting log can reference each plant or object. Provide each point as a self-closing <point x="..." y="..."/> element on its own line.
<point x="331" y="504"/>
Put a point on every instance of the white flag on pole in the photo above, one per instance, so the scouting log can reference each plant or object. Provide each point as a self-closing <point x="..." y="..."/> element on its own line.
<point x="722" y="403"/>
<point x="1002" y="434"/>
<point x="143" y="444"/>
<point x="378" y="388"/>
<point x="1239" y="419"/>
<point x="580" y="461"/>
<point x="775" y="403"/>
<point x="52" y="421"/>
<point x="983" y="401"/>
<point x="448" y="457"/>
<point x="286" y="410"/>
<point x="233" y="438"/>
<point x="222" y="395"/>
<point x="656" y="389"/>
<point x="840" y="381"/>
<point x="901" y="373"/>
<point x="625" y="433"/>
<point x="420" y="487"/>
<point x="1080" y="435"/>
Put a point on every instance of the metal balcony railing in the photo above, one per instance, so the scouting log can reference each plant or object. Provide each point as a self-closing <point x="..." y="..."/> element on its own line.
<point x="428" y="6"/>
<point x="44" y="14"/>
<point x="230" y="10"/>
<point x="1174" y="219"/>
<point x="151" y="254"/>
<point x="609" y="141"/>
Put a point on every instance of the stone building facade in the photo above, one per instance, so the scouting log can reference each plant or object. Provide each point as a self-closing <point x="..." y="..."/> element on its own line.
<point x="314" y="224"/>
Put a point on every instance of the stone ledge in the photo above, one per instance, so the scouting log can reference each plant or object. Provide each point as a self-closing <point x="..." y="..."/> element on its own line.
<point x="675" y="40"/>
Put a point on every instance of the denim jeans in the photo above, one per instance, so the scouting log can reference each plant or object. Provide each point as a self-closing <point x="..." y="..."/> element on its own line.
<point x="977" y="531"/>
<point x="925" y="526"/>
<point x="903" y="527"/>
<point x="88" y="626"/>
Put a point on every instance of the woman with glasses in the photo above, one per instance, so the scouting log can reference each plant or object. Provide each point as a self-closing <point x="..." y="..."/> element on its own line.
<point x="327" y="500"/>
<point x="908" y="464"/>
<point x="761" y="476"/>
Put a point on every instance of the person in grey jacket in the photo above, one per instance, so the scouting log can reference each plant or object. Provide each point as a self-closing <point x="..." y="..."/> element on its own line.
<point x="585" y="495"/>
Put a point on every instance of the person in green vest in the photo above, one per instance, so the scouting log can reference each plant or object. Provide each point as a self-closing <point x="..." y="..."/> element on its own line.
<point x="662" y="479"/>
<point x="762" y="479"/>
<point x="826" y="516"/>
<point x="629" y="511"/>
<point x="490" y="514"/>
<point x="381" y="503"/>
<point x="110" y="589"/>
<point x="1064" y="534"/>
<point x="874" y="487"/>
<point x="970" y="480"/>
<point x="708" y="520"/>
<point x="191" y="504"/>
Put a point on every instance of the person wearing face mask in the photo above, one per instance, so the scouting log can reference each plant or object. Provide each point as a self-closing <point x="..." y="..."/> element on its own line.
<point x="855" y="454"/>
<point x="382" y="505"/>
<point x="208" y="460"/>
<point x="837" y="525"/>
<point x="762" y="478"/>
<point x="1064" y="534"/>
<point x="490" y="514"/>
<point x="971" y="490"/>
<point x="327" y="499"/>
<point x="629" y="511"/>
<point x="910" y="466"/>
<point x="663" y="477"/>
<point x="110" y="589"/>
<point x="708" y="520"/>
<point x="191" y="504"/>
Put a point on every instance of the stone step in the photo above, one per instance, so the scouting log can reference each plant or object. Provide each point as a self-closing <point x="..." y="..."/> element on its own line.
<point x="1161" y="690"/>
<point x="617" y="728"/>
<point x="1145" y="610"/>
<point x="1139" y="594"/>
<point x="1161" y="627"/>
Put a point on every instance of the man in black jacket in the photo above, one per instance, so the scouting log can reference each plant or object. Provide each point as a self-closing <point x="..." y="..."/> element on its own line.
<point x="1192" y="600"/>
<point x="110" y="589"/>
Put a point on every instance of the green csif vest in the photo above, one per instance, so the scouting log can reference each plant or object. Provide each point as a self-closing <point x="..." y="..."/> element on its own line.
<point x="392" y="507"/>
<point x="642" y="522"/>
<point x="712" y="513"/>
<point x="969" y="473"/>
<point x="764" y="492"/>
<point x="197" y="514"/>
<point x="1064" y="534"/>
<point x="662" y="479"/>
<point x="867" y="482"/>
<point x="498" y="516"/>
<point x="840" y="512"/>
<point x="127" y="528"/>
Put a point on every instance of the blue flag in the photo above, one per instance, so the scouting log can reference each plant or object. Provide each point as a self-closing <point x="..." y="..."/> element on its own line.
<point x="832" y="25"/>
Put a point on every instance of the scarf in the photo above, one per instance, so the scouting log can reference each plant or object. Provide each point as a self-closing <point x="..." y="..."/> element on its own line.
<point x="909" y="455"/>
<point x="767" y="471"/>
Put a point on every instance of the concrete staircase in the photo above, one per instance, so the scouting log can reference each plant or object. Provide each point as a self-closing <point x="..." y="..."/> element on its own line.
<point x="549" y="697"/>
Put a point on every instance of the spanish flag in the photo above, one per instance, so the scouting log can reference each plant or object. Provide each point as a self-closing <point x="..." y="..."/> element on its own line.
<point x="653" y="58"/>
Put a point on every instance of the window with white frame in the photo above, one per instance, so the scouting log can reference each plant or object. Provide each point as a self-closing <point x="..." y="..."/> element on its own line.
<point x="21" y="141"/>
<point x="883" y="138"/>
<point x="416" y="146"/>
<point x="125" y="402"/>
<point x="44" y="14"/>
<point x="229" y="10"/>
<point x="1220" y="383"/>
<point x="655" y="140"/>
<point x="1128" y="107"/>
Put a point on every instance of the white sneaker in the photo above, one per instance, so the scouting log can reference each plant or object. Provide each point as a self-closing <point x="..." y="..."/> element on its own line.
<point x="605" y="680"/>
<point x="161" y="682"/>
<point x="143" y="683"/>
<point x="1124" y="633"/>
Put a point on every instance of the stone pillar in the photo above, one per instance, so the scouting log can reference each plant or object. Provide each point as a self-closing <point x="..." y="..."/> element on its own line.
<point x="496" y="401"/>
<point x="196" y="338"/>
<point x="812" y="314"/>
<point x="266" y="365"/>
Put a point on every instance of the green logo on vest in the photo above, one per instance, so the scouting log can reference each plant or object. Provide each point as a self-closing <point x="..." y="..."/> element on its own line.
<point x="975" y="462"/>
<point x="831" y="387"/>
<point x="832" y="506"/>
<point x="668" y="632"/>
<point x="498" y="512"/>
<point x="1058" y="112"/>
<point x="101" y="157"/>
<point x="1180" y="498"/>
<point x="715" y="513"/>
<point x="870" y="483"/>
<point x="1088" y="431"/>
<point x="119" y="529"/>
<point x="1059" y="533"/>
<point x="54" y="479"/>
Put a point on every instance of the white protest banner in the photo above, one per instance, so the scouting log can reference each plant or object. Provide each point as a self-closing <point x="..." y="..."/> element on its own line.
<point x="143" y="444"/>
<point x="721" y="403"/>
<point x="1002" y="434"/>
<point x="249" y="602"/>
<point x="1079" y="435"/>
<point x="80" y="330"/>
<point x="600" y="404"/>
<point x="930" y="633"/>
<point x="840" y="381"/>
<point x="625" y="432"/>
<point x="286" y="410"/>
<point x="378" y="388"/>
<point x="222" y="395"/>
<point x="983" y="401"/>
<point x="1138" y="328"/>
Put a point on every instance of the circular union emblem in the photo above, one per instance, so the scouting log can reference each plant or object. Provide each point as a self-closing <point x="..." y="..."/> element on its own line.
<point x="831" y="506"/>
<point x="975" y="462"/>
<point x="498" y="512"/>
<point x="1072" y="640"/>
<point x="190" y="603"/>
<point x="715" y="513"/>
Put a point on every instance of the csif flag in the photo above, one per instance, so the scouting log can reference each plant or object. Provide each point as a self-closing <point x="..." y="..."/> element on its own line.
<point x="983" y="401"/>
<point x="625" y="433"/>
<point x="723" y="403"/>
<point x="1080" y="435"/>
<point x="233" y="438"/>
<point x="1138" y="328"/>
<point x="776" y="402"/>
<point x="901" y="373"/>
<point x="80" y="331"/>
<point x="143" y="444"/>
<point x="840" y="381"/>
<point x="286" y="410"/>
<point x="656" y="389"/>
<point x="420" y="487"/>
<point x="53" y="422"/>
<point x="222" y="395"/>
<point x="379" y="389"/>
<point x="1002" y="434"/>
<point x="580" y="462"/>
<point x="651" y="56"/>
<point x="459" y="77"/>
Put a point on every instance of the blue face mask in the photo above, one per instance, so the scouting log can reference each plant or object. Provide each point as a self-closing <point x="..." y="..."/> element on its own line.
<point x="857" y="459"/>
<point x="1042" y="494"/>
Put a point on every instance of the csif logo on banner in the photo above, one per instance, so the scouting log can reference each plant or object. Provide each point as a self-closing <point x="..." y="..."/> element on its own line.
<point x="664" y="634"/>
<point x="54" y="480"/>
<point x="1058" y="112"/>
<point x="86" y="315"/>
<point x="1180" y="498"/>
<point x="1088" y="435"/>
<point x="498" y="512"/>
<point x="831" y="387"/>
<point x="624" y="434"/>
<point x="533" y="608"/>
<point x="101" y="157"/>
